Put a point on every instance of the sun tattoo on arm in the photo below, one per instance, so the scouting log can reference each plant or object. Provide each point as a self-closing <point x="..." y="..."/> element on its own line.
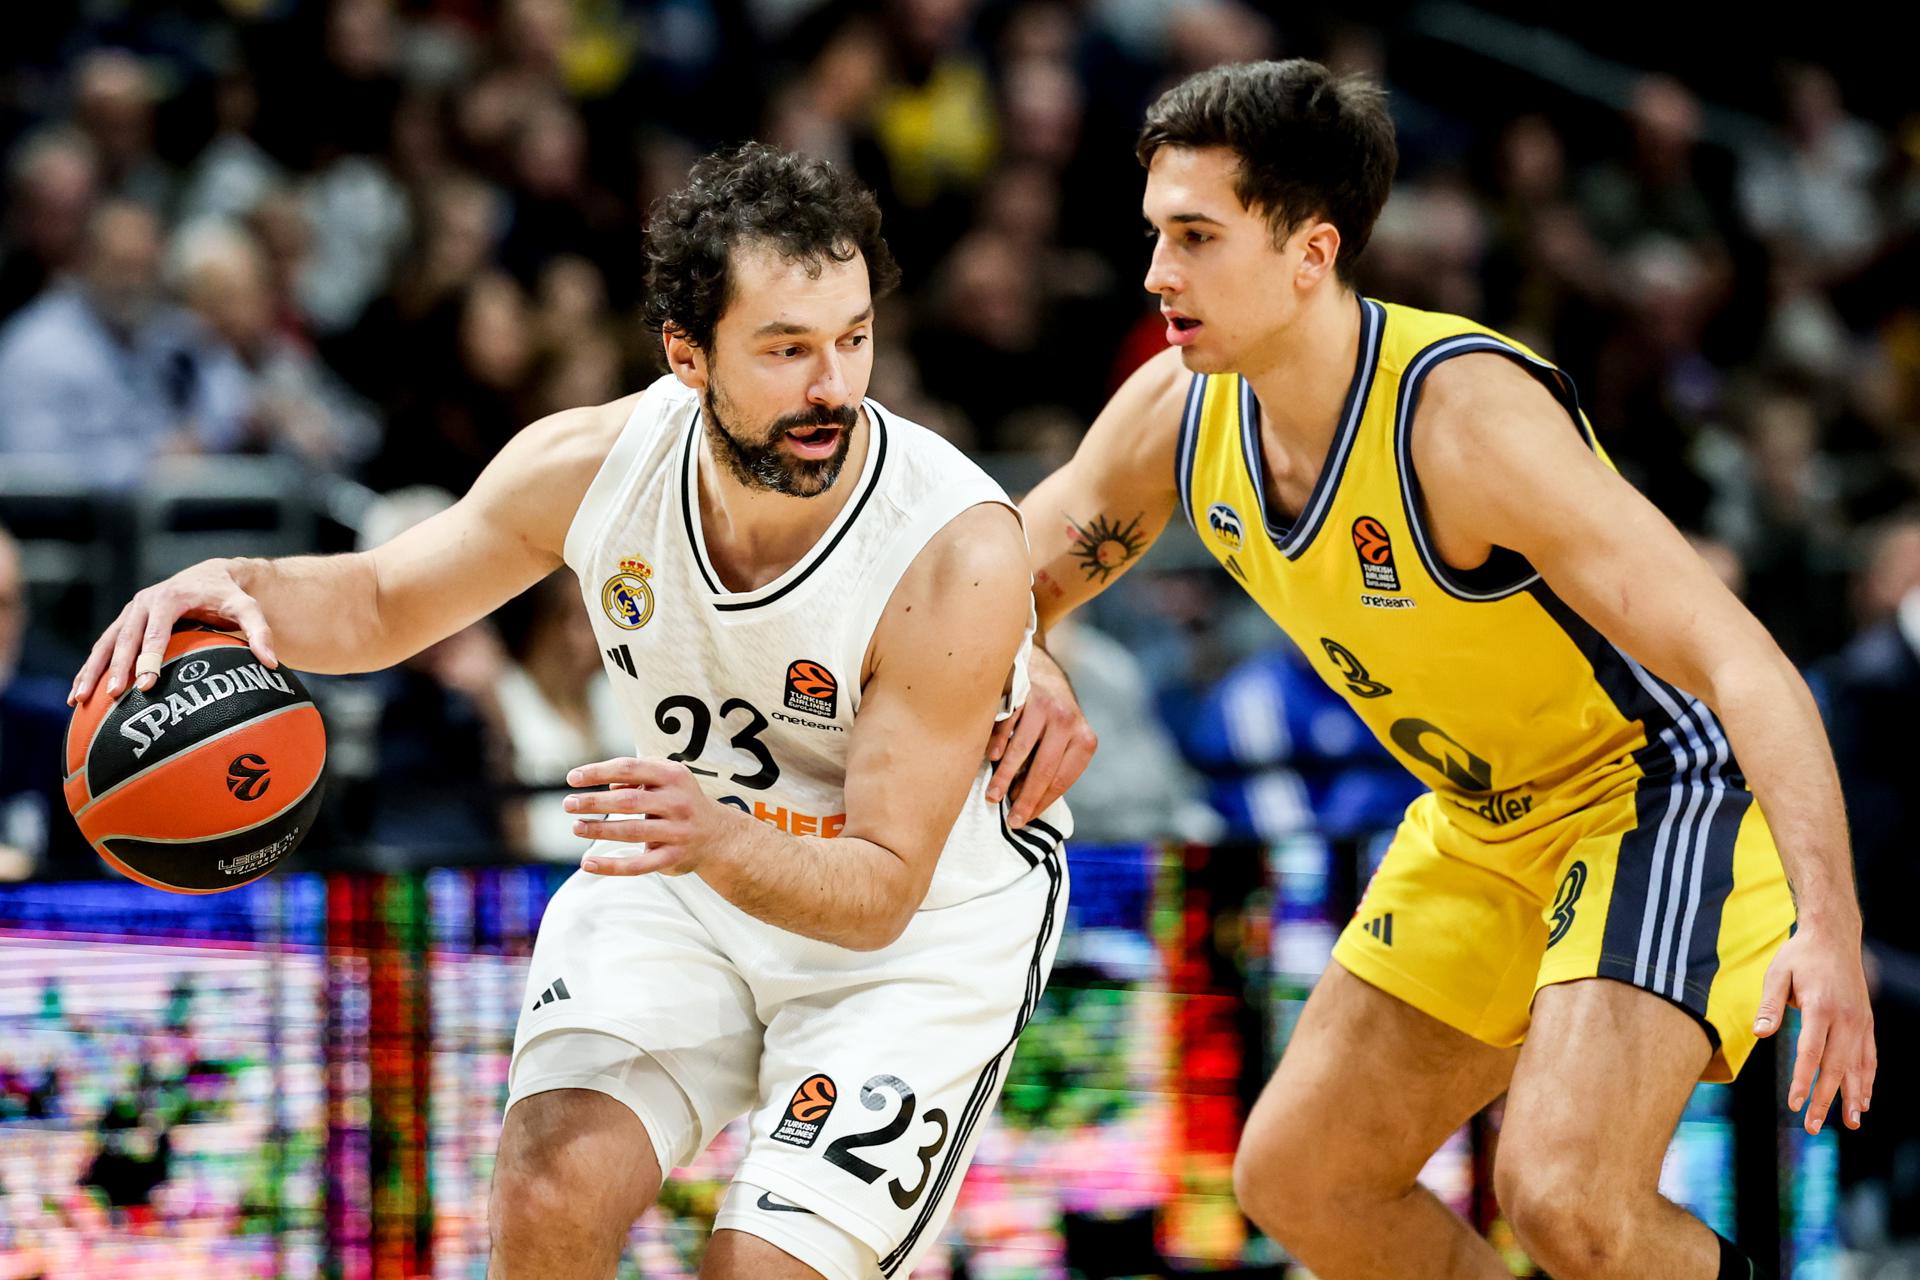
<point x="1104" y="547"/>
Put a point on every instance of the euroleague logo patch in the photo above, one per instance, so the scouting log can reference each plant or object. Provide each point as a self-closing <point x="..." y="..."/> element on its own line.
<point x="811" y="688"/>
<point x="247" y="777"/>
<point x="807" y="1112"/>
<point x="627" y="596"/>
<point x="1375" y="549"/>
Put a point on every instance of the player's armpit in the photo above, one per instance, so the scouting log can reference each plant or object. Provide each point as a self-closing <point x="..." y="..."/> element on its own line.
<point x="942" y="653"/>
<point x="1090" y="521"/>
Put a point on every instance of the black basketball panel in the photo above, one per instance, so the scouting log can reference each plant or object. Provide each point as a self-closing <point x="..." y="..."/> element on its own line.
<point x="197" y="695"/>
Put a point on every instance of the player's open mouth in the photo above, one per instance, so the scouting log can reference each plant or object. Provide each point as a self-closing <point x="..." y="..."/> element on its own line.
<point x="815" y="442"/>
<point x="1180" y="329"/>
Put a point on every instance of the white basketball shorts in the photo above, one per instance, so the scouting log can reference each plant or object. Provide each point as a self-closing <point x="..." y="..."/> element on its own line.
<point x="866" y="1074"/>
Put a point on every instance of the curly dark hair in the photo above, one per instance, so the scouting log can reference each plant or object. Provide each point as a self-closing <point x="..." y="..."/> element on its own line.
<point x="804" y="209"/>
<point x="1311" y="144"/>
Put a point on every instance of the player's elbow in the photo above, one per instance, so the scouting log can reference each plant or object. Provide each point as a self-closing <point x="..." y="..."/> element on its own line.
<point x="886" y="921"/>
<point x="899" y="891"/>
<point x="878" y="932"/>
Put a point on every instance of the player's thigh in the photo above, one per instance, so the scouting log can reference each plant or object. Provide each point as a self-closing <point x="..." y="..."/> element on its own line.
<point x="1605" y="1074"/>
<point x="1368" y="1088"/>
<point x="875" y="1084"/>
<point x="632" y="993"/>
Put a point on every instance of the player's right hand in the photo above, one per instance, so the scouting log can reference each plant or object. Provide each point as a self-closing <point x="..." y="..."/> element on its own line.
<point x="137" y="639"/>
<point x="1043" y="748"/>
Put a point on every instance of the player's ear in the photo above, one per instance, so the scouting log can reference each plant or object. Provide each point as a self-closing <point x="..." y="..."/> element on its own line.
<point x="687" y="361"/>
<point x="1319" y="248"/>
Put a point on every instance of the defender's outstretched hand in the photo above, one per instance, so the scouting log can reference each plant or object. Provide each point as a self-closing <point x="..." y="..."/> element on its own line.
<point x="133" y="646"/>
<point x="1820" y="974"/>
<point x="1043" y="748"/>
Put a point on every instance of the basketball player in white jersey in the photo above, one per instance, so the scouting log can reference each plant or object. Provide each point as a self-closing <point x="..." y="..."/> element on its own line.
<point x="797" y="903"/>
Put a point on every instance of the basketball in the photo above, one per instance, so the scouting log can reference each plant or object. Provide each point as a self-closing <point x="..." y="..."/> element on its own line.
<point x="205" y="782"/>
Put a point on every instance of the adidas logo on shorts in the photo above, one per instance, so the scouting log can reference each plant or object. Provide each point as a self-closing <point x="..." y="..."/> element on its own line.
<point x="558" y="991"/>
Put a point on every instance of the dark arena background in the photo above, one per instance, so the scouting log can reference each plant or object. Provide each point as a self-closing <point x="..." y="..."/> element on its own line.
<point x="359" y="243"/>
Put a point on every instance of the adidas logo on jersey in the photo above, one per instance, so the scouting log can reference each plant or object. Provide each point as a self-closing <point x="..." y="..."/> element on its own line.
<point x="1381" y="927"/>
<point x="558" y="991"/>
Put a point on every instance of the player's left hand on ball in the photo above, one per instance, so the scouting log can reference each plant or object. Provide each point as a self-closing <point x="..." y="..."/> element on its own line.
<point x="1819" y="972"/>
<point x="1043" y="748"/>
<point x="655" y="803"/>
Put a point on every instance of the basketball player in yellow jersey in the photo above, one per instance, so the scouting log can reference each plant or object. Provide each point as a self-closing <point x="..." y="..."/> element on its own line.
<point x="1421" y="505"/>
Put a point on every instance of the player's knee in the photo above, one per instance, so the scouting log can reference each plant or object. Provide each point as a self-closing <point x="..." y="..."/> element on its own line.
<point x="553" y="1182"/>
<point x="538" y="1204"/>
<point x="1568" y="1220"/>
<point x="1280" y="1183"/>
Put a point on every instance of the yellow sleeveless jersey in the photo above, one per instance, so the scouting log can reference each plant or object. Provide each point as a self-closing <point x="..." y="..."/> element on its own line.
<point x="1483" y="683"/>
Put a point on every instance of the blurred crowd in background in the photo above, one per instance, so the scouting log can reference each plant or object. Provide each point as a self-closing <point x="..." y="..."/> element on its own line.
<point x="366" y="241"/>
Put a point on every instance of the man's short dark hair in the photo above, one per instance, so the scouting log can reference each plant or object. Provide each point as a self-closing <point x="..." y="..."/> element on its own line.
<point x="803" y="209"/>
<point x="1311" y="144"/>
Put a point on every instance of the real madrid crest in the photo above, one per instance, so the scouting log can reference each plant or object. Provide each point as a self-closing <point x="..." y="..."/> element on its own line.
<point x="628" y="596"/>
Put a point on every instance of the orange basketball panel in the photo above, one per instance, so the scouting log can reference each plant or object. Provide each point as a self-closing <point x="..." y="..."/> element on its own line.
<point x="193" y="795"/>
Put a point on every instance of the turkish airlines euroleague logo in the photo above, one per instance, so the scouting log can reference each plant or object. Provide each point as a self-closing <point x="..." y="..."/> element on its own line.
<point x="811" y="688"/>
<point x="247" y="777"/>
<point x="1375" y="549"/>
<point x="807" y="1113"/>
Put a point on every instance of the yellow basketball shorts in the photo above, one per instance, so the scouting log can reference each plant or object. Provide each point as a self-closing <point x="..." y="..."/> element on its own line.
<point x="1673" y="888"/>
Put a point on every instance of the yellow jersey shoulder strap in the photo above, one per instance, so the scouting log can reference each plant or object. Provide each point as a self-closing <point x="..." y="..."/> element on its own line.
<point x="1417" y="343"/>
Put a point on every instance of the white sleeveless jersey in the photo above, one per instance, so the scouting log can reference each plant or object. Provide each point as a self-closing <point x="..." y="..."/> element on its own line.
<point x="757" y="691"/>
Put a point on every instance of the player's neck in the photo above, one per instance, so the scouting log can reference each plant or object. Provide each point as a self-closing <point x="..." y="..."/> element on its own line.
<point x="1301" y="377"/>
<point x="753" y="534"/>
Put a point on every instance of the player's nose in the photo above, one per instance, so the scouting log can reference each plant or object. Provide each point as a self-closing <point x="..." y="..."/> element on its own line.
<point x="1162" y="276"/>
<point x="831" y="385"/>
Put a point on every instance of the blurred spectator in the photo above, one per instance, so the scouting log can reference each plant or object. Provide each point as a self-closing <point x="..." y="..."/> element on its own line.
<point x="1780" y="506"/>
<point x="1810" y="189"/>
<point x="52" y="182"/>
<point x="36" y="835"/>
<point x="460" y="224"/>
<point x="1657" y="190"/>
<point x="1872" y="701"/>
<point x="558" y="708"/>
<point x="114" y="96"/>
<point x="233" y="172"/>
<point x="471" y="397"/>
<point x="103" y="374"/>
<point x="934" y="125"/>
<point x="983" y="348"/>
<point x="556" y="207"/>
<point x="286" y="400"/>
<point x="1136" y="787"/>
<point x="1653" y="384"/>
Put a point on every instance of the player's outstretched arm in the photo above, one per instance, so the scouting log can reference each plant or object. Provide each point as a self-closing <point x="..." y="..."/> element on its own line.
<point x="938" y="668"/>
<point x="368" y="610"/>
<point x="1500" y="464"/>
<point x="1088" y="523"/>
